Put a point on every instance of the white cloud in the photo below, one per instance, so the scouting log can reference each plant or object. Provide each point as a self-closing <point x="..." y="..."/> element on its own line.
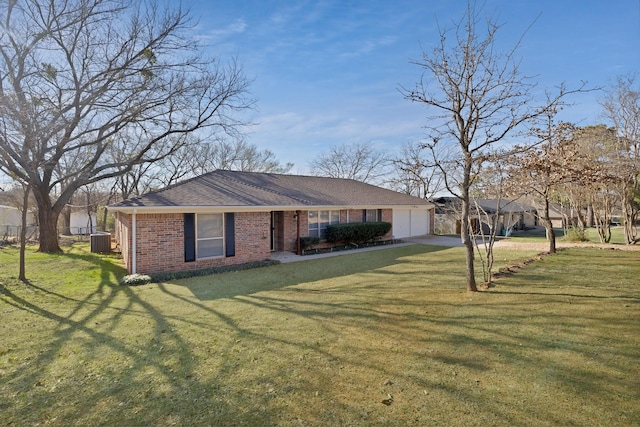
<point x="218" y="34"/>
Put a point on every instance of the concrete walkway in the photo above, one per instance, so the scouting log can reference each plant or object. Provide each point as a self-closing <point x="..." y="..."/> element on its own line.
<point x="420" y="240"/>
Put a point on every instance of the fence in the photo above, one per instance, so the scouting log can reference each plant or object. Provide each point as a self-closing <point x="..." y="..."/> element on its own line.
<point x="10" y="232"/>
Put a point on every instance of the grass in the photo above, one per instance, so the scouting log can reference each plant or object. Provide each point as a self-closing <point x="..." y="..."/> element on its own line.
<point x="617" y="236"/>
<point x="387" y="337"/>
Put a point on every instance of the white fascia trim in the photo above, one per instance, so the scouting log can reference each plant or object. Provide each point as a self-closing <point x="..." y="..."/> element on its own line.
<point x="199" y="209"/>
<point x="134" y="242"/>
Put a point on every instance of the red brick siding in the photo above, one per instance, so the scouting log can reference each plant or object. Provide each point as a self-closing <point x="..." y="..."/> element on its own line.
<point x="290" y="231"/>
<point x="387" y="216"/>
<point x="160" y="242"/>
<point x="160" y="239"/>
<point x="351" y="216"/>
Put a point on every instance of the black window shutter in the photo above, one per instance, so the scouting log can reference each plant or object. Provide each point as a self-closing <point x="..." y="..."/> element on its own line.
<point x="379" y="215"/>
<point x="364" y="215"/>
<point x="230" y="234"/>
<point x="189" y="237"/>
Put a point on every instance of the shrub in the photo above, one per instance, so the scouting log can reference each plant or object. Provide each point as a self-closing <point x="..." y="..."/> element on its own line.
<point x="136" y="279"/>
<point x="308" y="242"/>
<point x="358" y="232"/>
<point x="575" y="234"/>
<point x="164" y="277"/>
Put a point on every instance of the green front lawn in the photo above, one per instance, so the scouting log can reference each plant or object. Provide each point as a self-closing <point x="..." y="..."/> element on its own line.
<point x="387" y="337"/>
<point x="617" y="235"/>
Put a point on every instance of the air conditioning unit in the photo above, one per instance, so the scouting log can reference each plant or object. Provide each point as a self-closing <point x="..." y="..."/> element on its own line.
<point x="101" y="243"/>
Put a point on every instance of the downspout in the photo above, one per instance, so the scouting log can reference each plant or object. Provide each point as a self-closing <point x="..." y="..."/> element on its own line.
<point x="134" y="245"/>
<point x="298" y="249"/>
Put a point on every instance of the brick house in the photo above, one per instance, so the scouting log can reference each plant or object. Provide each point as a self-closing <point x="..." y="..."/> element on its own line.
<point x="227" y="217"/>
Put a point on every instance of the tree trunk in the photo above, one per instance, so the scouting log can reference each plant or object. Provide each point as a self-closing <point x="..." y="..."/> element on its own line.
<point x="551" y="235"/>
<point x="103" y="222"/>
<point x="465" y="233"/>
<point x="66" y="229"/>
<point x="22" y="275"/>
<point x="628" y="215"/>
<point x="590" y="215"/>
<point x="47" y="222"/>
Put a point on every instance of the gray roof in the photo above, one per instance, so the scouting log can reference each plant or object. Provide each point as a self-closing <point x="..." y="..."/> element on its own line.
<point x="505" y="205"/>
<point x="488" y="205"/>
<point x="251" y="190"/>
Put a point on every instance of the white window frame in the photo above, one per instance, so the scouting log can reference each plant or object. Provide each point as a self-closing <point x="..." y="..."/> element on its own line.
<point x="210" y="238"/>
<point x="320" y="230"/>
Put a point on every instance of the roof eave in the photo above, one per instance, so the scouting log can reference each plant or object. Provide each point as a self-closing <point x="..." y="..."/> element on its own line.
<point x="230" y="208"/>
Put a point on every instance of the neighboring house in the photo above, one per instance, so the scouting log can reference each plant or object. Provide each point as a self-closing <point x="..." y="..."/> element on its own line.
<point x="512" y="215"/>
<point x="83" y="223"/>
<point x="227" y="217"/>
<point x="562" y="216"/>
<point x="10" y="220"/>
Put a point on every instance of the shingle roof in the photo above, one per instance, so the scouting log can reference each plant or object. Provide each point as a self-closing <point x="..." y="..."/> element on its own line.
<point x="250" y="189"/>
<point x="488" y="205"/>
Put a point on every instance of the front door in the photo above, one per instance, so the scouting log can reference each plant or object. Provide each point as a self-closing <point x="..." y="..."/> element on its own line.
<point x="277" y="231"/>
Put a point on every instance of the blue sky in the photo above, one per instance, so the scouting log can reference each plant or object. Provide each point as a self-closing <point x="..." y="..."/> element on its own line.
<point x="327" y="73"/>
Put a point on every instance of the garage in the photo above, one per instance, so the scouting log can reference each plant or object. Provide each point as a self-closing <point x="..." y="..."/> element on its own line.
<point x="410" y="222"/>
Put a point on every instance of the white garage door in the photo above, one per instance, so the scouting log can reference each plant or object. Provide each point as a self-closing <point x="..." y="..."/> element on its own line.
<point x="410" y="222"/>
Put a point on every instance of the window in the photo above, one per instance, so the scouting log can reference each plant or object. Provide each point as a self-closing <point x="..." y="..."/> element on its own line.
<point x="371" y="215"/>
<point x="209" y="236"/>
<point x="319" y="220"/>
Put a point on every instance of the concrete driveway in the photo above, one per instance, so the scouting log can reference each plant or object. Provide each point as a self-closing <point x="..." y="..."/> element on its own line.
<point x="430" y="239"/>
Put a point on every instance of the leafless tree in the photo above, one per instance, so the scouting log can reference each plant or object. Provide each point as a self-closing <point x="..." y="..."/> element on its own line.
<point x="621" y="105"/>
<point x="196" y="158"/>
<point x="77" y="75"/>
<point x="485" y="238"/>
<point x="358" y="161"/>
<point x="479" y="99"/>
<point x="415" y="173"/>
<point x="239" y="155"/>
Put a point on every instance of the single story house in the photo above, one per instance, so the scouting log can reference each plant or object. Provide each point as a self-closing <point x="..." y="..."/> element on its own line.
<point x="81" y="222"/>
<point x="562" y="216"/>
<point x="10" y="221"/>
<point x="512" y="215"/>
<point x="229" y="217"/>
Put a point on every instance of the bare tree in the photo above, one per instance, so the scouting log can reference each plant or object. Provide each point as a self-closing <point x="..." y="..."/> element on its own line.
<point x="76" y="74"/>
<point x="358" y="161"/>
<point x="239" y="155"/>
<point x="491" y="216"/>
<point x="196" y="158"/>
<point x="621" y="105"/>
<point x="415" y="172"/>
<point x="479" y="99"/>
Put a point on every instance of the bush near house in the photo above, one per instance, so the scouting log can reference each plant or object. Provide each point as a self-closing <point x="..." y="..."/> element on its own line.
<point x="357" y="232"/>
<point x="308" y="242"/>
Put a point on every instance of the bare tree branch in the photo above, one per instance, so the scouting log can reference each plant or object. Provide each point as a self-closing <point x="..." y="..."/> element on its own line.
<point x="479" y="100"/>
<point x="91" y="88"/>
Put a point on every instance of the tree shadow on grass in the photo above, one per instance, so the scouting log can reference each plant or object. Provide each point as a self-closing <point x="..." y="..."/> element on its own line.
<point x="454" y="373"/>
<point x="160" y="376"/>
<point x="83" y="369"/>
<point x="290" y="274"/>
